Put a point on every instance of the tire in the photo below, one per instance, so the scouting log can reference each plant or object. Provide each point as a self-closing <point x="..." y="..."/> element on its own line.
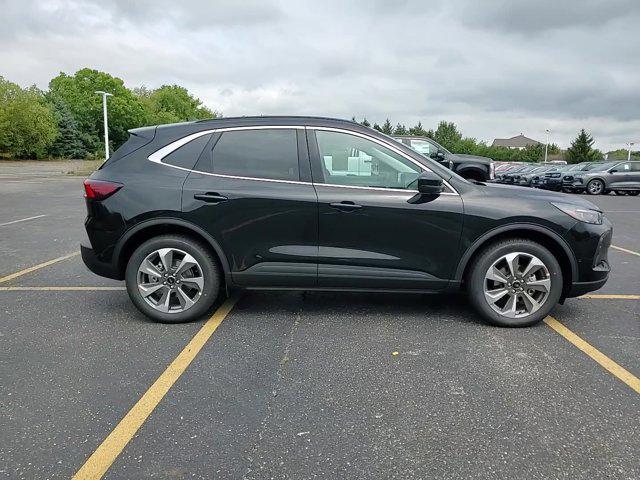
<point x="566" y="190"/>
<point x="595" y="187"/>
<point x="494" y="255"/>
<point x="633" y="193"/>
<point x="622" y="193"/>
<point x="177" y="309"/>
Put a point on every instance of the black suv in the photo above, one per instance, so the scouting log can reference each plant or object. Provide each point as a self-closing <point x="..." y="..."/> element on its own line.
<point x="471" y="167"/>
<point x="186" y="212"/>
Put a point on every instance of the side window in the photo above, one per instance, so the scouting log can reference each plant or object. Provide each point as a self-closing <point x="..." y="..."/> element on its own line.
<point x="187" y="155"/>
<point x="635" y="166"/>
<point x="422" y="146"/>
<point x="268" y="153"/>
<point x="623" y="167"/>
<point x="355" y="161"/>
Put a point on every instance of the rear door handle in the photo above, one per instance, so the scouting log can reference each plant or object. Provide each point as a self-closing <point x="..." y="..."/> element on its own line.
<point x="210" y="197"/>
<point x="346" y="206"/>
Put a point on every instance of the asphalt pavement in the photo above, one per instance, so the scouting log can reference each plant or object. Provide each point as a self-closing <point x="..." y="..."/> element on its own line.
<point x="303" y="385"/>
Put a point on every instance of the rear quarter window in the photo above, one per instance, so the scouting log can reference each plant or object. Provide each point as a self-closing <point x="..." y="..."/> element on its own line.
<point x="187" y="155"/>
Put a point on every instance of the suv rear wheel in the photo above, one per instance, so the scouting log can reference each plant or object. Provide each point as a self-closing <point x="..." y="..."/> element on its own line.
<point x="515" y="283"/>
<point x="172" y="279"/>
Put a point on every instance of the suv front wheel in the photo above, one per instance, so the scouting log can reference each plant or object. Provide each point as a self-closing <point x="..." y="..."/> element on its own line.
<point x="515" y="283"/>
<point x="172" y="279"/>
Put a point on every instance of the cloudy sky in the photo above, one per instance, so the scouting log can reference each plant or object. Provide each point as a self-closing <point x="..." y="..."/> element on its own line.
<point x="496" y="68"/>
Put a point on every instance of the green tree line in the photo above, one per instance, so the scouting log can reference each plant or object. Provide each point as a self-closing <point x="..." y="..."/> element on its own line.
<point x="65" y="121"/>
<point x="448" y="135"/>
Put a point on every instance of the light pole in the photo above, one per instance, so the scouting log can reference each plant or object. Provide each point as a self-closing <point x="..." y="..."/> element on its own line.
<point x="106" y="123"/>
<point x="546" y="146"/>
<point x="629" y="145"/>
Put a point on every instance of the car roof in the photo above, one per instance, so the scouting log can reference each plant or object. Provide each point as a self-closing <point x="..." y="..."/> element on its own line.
<point x="186" y="128"/>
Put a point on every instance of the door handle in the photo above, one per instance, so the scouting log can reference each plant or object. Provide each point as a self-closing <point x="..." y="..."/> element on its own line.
<point x="210" y="197"/>
<point x="346" y="206"/>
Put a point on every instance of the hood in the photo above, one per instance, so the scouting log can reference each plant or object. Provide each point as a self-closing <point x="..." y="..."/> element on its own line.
<point x="512" y="191"/>
<point x="475" y="158"/>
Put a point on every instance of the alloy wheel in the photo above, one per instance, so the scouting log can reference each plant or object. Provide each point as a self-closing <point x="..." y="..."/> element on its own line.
<point x="595" y="187"/>
<point x="517" y="285"/>
<point x="170" y="280"/>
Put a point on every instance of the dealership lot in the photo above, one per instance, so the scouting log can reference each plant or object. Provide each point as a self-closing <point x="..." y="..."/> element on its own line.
<point x="301" y="385"/>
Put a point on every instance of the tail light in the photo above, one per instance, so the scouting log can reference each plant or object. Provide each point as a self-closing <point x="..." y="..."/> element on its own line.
<point x="100" y="189"/>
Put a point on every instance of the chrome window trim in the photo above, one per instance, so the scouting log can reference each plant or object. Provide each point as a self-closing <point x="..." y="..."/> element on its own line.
<point x="160" y="154"/>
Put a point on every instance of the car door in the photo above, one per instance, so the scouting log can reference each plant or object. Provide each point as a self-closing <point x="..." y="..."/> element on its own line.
<point x="251" y="190"/>
<point x="375" y="229"/>
<point x="621" y="176"/>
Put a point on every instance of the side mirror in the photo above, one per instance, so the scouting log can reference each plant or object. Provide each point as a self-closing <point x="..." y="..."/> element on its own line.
<point x="430" y="184"/>
<point x="615" y="170"/>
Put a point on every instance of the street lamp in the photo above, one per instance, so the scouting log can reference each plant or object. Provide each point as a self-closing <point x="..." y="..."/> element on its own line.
<point x="546" y="146"/>
<point x="629" y="145"/>
<point x="106" y="124"/>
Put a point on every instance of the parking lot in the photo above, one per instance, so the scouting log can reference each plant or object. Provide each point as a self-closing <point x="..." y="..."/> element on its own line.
<point x="302" y="385"/>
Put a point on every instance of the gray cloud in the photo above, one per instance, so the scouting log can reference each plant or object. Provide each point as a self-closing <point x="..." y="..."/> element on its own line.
<point x="496" y="68"/>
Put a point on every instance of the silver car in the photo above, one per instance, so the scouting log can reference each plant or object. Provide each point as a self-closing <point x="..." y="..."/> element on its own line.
<point x="621" y="177"/>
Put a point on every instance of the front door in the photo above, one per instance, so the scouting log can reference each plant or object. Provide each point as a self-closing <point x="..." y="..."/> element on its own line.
<point x="375" y="230"/>
<point x="252" y="192"/>
<point x="624" y="175"/>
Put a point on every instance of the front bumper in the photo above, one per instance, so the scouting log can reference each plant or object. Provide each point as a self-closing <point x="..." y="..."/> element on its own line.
<point x="590" y="244"/>
<point x="574" y="184"/>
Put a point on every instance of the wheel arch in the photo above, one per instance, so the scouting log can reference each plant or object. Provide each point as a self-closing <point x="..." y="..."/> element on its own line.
<point x="135" y="236"/>
<point x="549" y="239"/>
<point x="472" y="171"/>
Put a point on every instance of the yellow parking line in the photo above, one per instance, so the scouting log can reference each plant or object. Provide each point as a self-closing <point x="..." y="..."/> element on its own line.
<point x="100" y="461"/>
<point x="610" y="297"/>
<point x="626" y="250"/>
<point x="60" y="289"/>
<point x="605" y="362"/>
<point x="36" y="267"/>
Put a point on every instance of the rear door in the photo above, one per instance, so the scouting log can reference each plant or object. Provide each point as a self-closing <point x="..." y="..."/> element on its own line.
<point x="375" y="230"/>
<point x="251" y="190"/>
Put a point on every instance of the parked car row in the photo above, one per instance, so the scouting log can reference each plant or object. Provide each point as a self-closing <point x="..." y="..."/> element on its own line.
<point x="594" y="178"/>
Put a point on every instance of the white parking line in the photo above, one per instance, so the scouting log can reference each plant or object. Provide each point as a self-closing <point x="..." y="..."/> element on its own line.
<point x="21" y="220"/>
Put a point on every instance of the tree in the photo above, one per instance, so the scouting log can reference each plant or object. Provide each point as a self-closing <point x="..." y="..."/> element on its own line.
<point x="365" y="122"/>
<point x="387" y="127"/>
<point x="418" y="130"/>
<point x="27" y="123"/>
<point x="400" y="130"/>
<point x="581" y="149"/>
<point x="71" y="142"/>
<point x="377" y="127"/>
<point x="171" y="104"/>
<point x="447" y="135"/>
<point x="126" y="111"/>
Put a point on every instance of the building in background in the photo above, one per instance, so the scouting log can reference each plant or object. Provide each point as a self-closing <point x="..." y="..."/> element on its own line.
<point x="518" y="142"/>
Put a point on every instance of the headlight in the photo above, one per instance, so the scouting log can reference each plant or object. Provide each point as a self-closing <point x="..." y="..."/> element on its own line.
<point x="583" y="214"/>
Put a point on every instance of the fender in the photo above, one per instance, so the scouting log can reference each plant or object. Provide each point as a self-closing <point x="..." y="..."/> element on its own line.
<point x="178" y="222"/>
<point x="487" y="236"/>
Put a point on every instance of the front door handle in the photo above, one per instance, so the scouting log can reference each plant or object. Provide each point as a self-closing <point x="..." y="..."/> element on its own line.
<point x="345" y="206"/>
<point x="210" y="197"/>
